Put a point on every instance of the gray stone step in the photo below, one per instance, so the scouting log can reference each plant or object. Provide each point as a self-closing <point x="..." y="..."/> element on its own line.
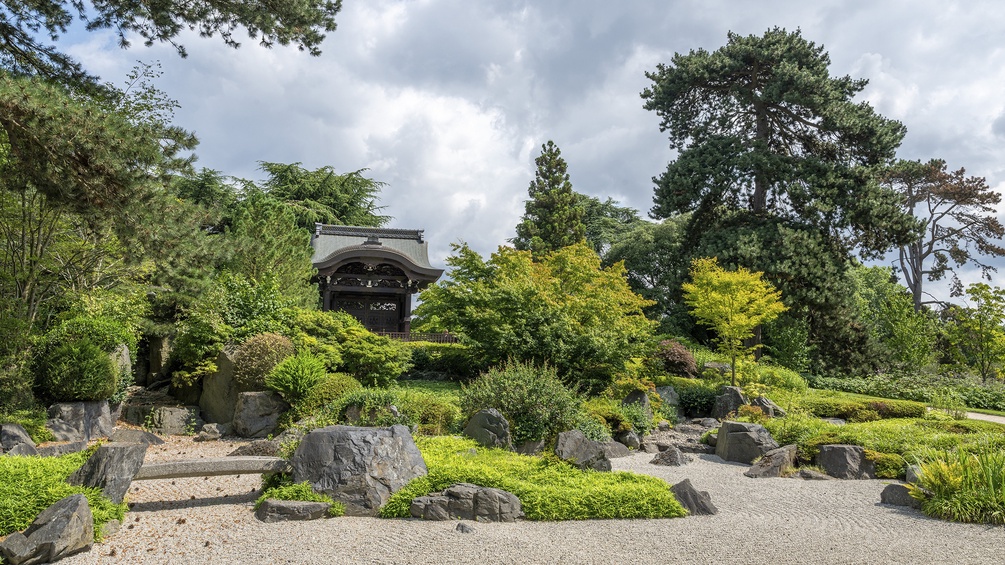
<point x="212" y="466"/>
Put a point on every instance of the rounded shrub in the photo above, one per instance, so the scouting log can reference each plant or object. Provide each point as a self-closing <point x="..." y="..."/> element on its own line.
<point x="533" y="399"/>
<point x="326" y="392"/>
<point x="676" y="359"/>
<point x="296" y="375"/>
<point x="371" y="407"/>
<point x="78" y="370"/>
<point x="256" y="357"/>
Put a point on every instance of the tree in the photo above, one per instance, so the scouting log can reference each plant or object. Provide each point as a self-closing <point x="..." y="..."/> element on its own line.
<point x="605" y="221"/>
<point x="775" y="165"/>
<point x="958" y="217"/>
<point x="732" y="303"/>
<point x="977" y="332"/>
<point x="552" y="219"/>
<point x="324" y="196"/>
<point x="563" y="309"/>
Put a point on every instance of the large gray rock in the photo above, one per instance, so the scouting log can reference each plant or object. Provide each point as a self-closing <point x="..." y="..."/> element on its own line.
<point x="613" y="449"/>
<point x="697" y="503"/>
<point x="771" y="409"/>
<point x="219" y="390"/>
<point x="174" y="420"/>
<point x="912" y="473"/>
<point x="465" y="501"/>
<point x="257" y="413"/>
<point x="111" y="468"/>
<point x="669" y="396"/>
<point x="743" y="442"/>
<point x="811" y="475"/>
<point x="75" y="421"/>
<point x="135" y="436"/>
<point x="160" y="352"/>
<point x="272" y="510"/>
<point x="581" y="452"/>
<point x="489" y="428"/>
<point x="846" y="462"/>
<point x="898" y="494"/>
<point x="728" y="402"/>
<point x="641" y="398"/>
<point x="65" y="528"/>
<point x="12" y="435"/>
<point x="672" y="457"/>
<point x="213" y="432"/>
<point x="23" y="449"/>
<point x="530" y="447"/>
<point x="629" y="439"/>
<point x="360" y="467"/>
<point x="774" y="463"/>
<point x="57" y="449"/>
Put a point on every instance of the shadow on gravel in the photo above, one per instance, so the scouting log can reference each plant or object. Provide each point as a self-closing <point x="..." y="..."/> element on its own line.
<point x="247" y="498"/>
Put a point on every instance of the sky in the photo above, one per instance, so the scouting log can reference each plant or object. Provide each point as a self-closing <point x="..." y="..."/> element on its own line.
<point x="449" y="101"/>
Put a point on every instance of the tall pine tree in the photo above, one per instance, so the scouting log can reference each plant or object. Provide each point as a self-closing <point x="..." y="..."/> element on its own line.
<point x="552" y="218"/>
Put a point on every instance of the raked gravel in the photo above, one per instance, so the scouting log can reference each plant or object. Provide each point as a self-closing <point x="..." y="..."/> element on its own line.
<point x="211" y="521"/>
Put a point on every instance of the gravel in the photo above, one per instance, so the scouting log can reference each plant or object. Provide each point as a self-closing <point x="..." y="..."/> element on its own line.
<point x="210" y="520"/>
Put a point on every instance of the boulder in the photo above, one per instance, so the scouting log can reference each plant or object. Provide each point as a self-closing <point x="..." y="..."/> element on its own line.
<point x="771" y="409"/>
<point x="111" y="468"/>
<point x="174" y="420"/>
<point x="728" y="402"/>
<point x="613" y="449"/>
<point x="647" y="446"/>
<point x="135" y="436"/>
<point x="811" y="475"/>
<point x="65" y="528"/>
<point x="464" y="528"/>
<point x="708" y="423"/>
<point x="743" y="442"/>
<point x="212" y="432"/>
<point x="219" y="390"/>
<point x="122" y="360"/>
<point x="24" y="449"/>
<point x="581" y="452"/>
<point x="672" y="457"/>
<point x="257" y="448"/>
<point x="774" y="463"/>
<point x="641" y="398"/>
<point x="360" y="467"/>
<point x="57" y="449"/>
<point x="160" y="352"/>
<point x="669" y="396"/>
<point x="530" y="447"/>
<point x="12" y="435"/>
<point x="75" y="421"/>
<point x="712" y="439"/>
<point x="664" y="426"/>
<point x="846" y="462"/>
<point x="629" y="439"/>
<point x="465" y="501"/>
<point x="697" y="503"/>
<point x="897" y="494"/>
<point x="257" y="413"/>
<point x="489" y="428"/>
<point x="911" y="473"/>
<point x="272" y="510"/>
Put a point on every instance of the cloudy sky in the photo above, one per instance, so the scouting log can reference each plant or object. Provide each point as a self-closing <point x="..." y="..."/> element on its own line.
<point x="449" y="101"/>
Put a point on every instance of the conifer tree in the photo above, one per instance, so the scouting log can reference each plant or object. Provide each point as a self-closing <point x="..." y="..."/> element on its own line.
<point x="552" y="218"/>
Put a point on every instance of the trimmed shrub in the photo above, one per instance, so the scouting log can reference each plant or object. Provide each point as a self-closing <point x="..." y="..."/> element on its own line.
<point x="888" y="465"/>
<point x="442" y="361"/>
<point x="433" y="414"/>
<point x="256" y="358"/>
<point x="374" y="360"/>
<point x="296" y="375"/>
<point x="676" y="359"/>
<point x="78" y="370"/>
<point x="326" y="392"/>
<point x="697" y="396"/>
<point x="533" y="400"/>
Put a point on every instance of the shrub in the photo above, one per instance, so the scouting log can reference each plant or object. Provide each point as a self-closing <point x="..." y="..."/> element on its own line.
<point x="374" y="360"/>
<point x="548" y="489"/>
<point x="593" y="427"/>
<point x="697" y="397"/>
<point x="778" y="377"/>
<point x="608" y="412"/>
<point x="432" y="413"/>
<point x="676" y="359"/>
<point x="78" y="370"/>
<point x="326" y="392"/>
<point x="301" y="492"/>
<point x="257" y="357"/>
<point x="829" y="404"/>
<point x="964" y="487"/>
<point x="533" y="399"/>
<point x="888" y="465"/>
<point x="105" y="333"/>
<point x="32" y="420"/>
<point x="641" y="421"/>
<point x="296" y="375"/>
<point x="370" y="407"/>
<point x="446" y="361"/>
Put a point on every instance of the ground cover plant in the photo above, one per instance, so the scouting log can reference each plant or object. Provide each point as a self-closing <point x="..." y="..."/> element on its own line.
<point x="847" y="406"/>
<point x="301" y="492"/>
<point x="548" y="489"/>
<point x="963" y="486"/>
<point x="29" y="485"/>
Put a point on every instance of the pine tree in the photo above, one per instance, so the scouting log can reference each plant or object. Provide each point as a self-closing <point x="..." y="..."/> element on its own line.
<point x="552" y="218"/>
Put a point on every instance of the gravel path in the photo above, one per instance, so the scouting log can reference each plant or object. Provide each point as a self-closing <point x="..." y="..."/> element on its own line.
<point x="986" y="417"/>
<point x="760" y="520"/>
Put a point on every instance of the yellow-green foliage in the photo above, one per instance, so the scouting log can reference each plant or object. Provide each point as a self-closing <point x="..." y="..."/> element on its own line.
<point x="964" y="487"/>
<point x="851" y="407"/>
<point x="29" y="485"/>
<point x="32" y="420"/>
<point x="452" y="361"/>
<point x="301" y="492"/>
<point x="888" y="465"/>
<point x="325" y="393"/>
<point x="548" y="489"/>
<point x="255" y="359"/>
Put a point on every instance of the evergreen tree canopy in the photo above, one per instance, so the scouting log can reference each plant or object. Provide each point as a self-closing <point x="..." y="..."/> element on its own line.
<point x="324" y="196"/>
<point x="552" y="218"/>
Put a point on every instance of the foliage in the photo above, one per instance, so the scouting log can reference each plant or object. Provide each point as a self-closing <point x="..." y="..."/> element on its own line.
<point x="450" y="361"/>
<point x="786" y="342"/>
<point x="959" y="222"/>
<point x="732" y="303"/>
<point x="294" y="376"/>
<point x="257" y="357"/>
<point x="610" y="413"/>
<point x="552" y="218"/>
<point x="963" y="486"/>
<point x="563" y="309"/>
<point x="977" y="332"/>
<point x="606" y="221"/>
<point x="428" y="412"/>
<point x="323" y="196"/>
<point x="548" y="489"/>
<point x="301" y="492"/>
<point x="697" y="396"/>
<point x="533" y="399"/>
<point x="325" y="393"/>
<point x="676" y="359"/>
<point x="29" y="485"/>
<point x="593" y="427"/>
<point x="32" y="420"/>
<point x="78" y="370"/>
<point x="920" y="388"/>
<point x="772" y="377"/>
<point x="105" y="333"/>
<point x="830" y="404"/>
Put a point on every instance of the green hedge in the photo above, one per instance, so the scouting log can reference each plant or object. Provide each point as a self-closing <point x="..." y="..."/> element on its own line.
<point x="830" y="404"/>
<point x="919" y="388"/>
<point x="442" y="361"/>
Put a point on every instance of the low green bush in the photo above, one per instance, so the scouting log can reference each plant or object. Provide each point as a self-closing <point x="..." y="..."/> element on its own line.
<point x="533" y="400"/>
<point x="963" y="487"/>
<point x="442" y="361"/>
<point x="326" y="392"/>
<point x="432" y="413"/>
<point x="29" y="485"/>
<point x="548" y="489"/>
<point x="294" y="376"/>
<point x="32" y="420"/>
<point x="78" y="370"/>
<point x="697" y="396"/>
<point x="257" y="357"/>
<point x="301" y="492"/>
<point x="428" y="412"/>
<point x="888" y="465"/>
<point x="830" y="404"/>
<point x="593" y="427"/>
<point x="920" y="388"/>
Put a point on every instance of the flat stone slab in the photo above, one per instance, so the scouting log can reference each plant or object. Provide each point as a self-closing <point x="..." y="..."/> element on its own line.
<point x="212" y="466"/>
